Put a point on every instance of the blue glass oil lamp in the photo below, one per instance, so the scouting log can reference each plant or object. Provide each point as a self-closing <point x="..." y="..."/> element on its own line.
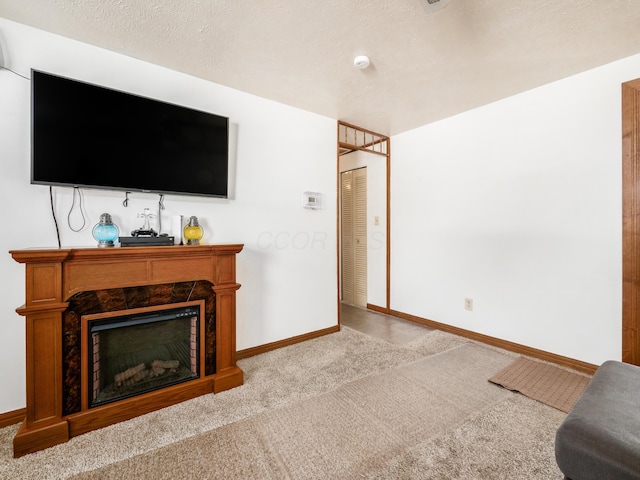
<point x="105" y="232"/>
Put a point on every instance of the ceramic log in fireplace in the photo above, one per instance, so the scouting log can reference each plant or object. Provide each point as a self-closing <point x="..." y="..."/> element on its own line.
<point x="73" y="295"/>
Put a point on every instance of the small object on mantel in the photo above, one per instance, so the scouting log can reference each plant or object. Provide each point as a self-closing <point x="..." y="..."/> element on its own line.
<point x="162" y="240"/>
<point x="145" y="230"/>
<point x="105" y="232"/>
<point x="193" y="231"/>
<point x="176" y="228"/>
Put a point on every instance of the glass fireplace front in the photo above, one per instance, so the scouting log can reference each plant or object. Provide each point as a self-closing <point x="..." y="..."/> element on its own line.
<point x="138" y="353"/>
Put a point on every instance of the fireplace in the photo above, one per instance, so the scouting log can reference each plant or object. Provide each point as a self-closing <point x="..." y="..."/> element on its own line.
<point x="116" y="333"/>
<point x="136" y="352"/>
<point x="100" y="308"/>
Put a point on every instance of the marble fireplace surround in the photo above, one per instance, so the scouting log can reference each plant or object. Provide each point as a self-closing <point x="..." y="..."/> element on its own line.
<point x="62" y="285"/>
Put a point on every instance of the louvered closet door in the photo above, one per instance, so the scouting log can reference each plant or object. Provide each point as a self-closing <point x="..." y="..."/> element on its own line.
<point x="354" y="237"/>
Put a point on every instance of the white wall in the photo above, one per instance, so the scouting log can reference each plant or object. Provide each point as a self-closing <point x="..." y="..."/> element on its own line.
<point x="288" y="266"/>
<point x="517" y="205"/>
<point x="376" y="234"/>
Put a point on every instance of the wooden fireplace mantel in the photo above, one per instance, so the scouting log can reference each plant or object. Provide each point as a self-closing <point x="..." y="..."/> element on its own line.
<point x="55" y="275"/>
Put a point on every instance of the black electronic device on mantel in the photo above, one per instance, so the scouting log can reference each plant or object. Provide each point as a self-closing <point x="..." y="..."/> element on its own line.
<point x="85" y="135"/>
<point x="155" y="241"/>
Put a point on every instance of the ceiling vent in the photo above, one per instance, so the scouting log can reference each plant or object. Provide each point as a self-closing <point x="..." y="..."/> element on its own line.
<point x="433" y="5"/>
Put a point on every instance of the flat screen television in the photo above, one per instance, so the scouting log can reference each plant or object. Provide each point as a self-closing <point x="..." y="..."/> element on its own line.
<point x="84" y="135"/>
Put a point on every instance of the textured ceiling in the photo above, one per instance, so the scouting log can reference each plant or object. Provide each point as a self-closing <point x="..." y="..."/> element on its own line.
<point x="425" y="65"/>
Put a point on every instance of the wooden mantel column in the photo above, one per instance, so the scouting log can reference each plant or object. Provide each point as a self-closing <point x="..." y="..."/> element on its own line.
<point x="55" y="275"/>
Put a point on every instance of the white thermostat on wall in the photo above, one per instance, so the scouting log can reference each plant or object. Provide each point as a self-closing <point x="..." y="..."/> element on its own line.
<point x="312" y="200"/>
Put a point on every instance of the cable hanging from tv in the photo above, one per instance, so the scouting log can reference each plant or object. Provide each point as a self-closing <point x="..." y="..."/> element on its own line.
<point x="78" y="192"/>
<point x="160" y="208"/>
<point x="53" y="214"/>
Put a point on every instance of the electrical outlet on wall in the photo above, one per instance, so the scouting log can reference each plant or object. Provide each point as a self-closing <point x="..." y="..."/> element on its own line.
<point x="468" y="303"/>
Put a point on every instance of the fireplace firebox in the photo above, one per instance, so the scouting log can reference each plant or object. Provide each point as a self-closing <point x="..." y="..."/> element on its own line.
<point x="138" y="352"/>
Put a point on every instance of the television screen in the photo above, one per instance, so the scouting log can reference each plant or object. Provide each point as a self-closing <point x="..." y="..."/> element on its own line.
<point x="85" y="135"/>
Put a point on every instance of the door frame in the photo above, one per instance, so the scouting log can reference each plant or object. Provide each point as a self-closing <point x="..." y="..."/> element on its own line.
<point x="631" y="222"/>
<point x="350" y="138"/>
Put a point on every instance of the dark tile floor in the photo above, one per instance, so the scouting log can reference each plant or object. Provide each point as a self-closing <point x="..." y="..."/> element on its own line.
<point x="385" y="327"/>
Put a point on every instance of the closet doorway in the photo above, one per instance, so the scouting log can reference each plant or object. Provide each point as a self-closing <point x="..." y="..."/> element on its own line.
<point x="363" y="218"/>
<point x="353" y="227"/>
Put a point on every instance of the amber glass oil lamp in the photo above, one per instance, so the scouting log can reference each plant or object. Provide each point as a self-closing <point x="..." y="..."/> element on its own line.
<point x="193" y="231"/>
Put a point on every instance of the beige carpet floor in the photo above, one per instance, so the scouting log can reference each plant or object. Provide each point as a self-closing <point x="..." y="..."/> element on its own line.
<point x="342" y="406"/>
